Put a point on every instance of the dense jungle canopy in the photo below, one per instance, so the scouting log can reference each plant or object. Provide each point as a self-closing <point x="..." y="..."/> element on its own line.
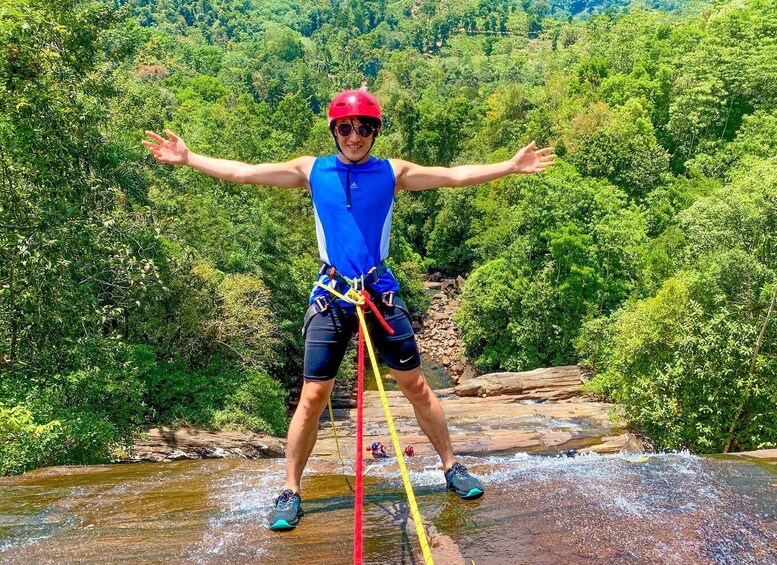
<point x="133" y="293"/>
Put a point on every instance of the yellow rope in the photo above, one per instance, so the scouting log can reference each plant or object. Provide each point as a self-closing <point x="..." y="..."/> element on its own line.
<point x="351" y="296"/>
<point x="419" y="528"/>
<point x="334" y="430"/>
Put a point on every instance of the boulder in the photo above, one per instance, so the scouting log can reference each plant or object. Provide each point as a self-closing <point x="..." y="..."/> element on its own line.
<point x="554" y="382"/>
<point x="448" y="284"/>
<point x="171" y="444"/>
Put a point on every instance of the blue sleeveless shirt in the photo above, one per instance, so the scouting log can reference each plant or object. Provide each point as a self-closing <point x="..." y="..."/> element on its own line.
<point x="354" y="238"/>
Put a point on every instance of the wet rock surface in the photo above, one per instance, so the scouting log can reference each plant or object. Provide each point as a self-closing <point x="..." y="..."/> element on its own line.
<point x="639" y="510"/>
<point x="520" y="433"/>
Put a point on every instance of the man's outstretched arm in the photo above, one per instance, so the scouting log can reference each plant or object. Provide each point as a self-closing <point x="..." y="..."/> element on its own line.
<point x="173" y="151"/>
<point x="417" y="177"/>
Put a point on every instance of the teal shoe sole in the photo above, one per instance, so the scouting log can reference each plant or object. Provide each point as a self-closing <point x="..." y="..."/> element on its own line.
<point x="282" y="525"/>
<point x="473" y="494"/>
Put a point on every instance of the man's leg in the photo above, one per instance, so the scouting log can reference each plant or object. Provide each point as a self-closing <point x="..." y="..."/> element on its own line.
<point x="303" y="430"/>
<point x="428" y="412"/>
<point x="431" y="419"/>
<point x="326" y="339"/>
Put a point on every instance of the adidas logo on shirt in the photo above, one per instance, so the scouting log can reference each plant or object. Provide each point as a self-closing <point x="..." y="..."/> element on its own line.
<point x="354" y="185"/>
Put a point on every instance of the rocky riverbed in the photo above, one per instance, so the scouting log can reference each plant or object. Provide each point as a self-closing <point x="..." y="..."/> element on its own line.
<point x="439" y="339"/>
<point x="613" y="504"/>
<point x="543" y="411"/>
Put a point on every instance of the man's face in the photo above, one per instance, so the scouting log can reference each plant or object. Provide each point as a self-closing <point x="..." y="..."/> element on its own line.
<point x="354" y="146"/>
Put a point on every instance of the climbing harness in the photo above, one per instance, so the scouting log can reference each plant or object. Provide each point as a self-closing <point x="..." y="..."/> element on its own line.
<point x="362" y="300"/>
<point x="358" y="284"/>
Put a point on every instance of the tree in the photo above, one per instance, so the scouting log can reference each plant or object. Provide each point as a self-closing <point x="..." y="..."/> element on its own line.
<point x="625" y="151"/>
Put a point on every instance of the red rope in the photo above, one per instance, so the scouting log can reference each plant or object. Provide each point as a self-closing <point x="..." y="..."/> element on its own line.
<point x="358" y="544"/>
<point x="375" y="310"/>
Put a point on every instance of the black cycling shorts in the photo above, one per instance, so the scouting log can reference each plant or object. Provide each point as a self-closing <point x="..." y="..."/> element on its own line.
<point x="327" y="335"/>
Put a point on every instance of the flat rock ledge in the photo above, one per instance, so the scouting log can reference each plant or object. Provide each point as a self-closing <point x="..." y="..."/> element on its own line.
<point x="768" y="456"/>
<point x="171" y="444"/>
<point x="481" y="426"/>
<point x="555" y="383"/>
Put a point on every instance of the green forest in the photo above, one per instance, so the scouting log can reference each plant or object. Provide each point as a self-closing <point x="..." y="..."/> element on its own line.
<point x="134" y="293"/>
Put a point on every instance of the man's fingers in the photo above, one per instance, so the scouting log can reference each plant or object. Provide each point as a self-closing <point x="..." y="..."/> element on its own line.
<point x="154" y="149"/>
<point x="544" y="150"/>
<point x="155" y="137"/>
<point x="547" y="158"/>
<point x="171" y="135"/>
<point x="531" y="146"/>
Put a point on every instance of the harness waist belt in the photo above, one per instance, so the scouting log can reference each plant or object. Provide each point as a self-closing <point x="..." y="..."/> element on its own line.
<point x="362" y="283"/>
<point x="359" y="283"/>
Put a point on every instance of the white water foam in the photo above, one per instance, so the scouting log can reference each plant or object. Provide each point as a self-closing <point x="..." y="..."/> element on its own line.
<point x="244" y="500"/>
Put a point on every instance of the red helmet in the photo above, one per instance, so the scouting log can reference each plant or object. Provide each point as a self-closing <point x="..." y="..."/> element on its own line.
<point x="354" y="103"/>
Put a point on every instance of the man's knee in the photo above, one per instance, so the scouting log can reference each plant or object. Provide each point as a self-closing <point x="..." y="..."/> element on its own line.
<point x="413" y="385"/>
<point x="314" y="397"/>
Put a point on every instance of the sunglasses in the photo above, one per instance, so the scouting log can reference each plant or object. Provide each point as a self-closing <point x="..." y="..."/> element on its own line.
<point x="364" y="130"/>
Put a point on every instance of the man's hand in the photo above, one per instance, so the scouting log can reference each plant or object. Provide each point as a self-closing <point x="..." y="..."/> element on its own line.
<point x="528" y="161"/>
<point x="416" y="177"/>
<point x="172" y="151"/>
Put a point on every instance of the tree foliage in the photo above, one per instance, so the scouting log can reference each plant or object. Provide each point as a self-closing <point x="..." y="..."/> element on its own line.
<point x="649" y="251"/>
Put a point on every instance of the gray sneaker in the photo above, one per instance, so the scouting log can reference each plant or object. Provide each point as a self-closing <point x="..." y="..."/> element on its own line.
<point x="287" y="511"/>
<point x="458" y="479"/>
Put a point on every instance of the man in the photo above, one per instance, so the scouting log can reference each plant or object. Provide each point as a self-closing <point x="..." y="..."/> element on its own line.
<point x="353" y="196"/>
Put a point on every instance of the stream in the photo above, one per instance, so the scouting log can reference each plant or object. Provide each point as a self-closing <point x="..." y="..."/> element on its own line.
<point x="666" y="508"/>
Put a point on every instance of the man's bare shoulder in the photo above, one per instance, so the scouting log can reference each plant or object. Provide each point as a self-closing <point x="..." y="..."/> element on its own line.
<point x="399" y="163"/>
<point x="306" y="161"/>
<point x="303" y="164"/>
<point x="400" y="166"/>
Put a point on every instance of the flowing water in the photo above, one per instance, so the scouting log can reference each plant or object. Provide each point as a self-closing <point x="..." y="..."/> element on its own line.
<point x="668" y="508"/>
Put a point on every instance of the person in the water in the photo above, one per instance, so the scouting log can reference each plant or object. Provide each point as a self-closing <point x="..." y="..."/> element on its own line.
<point x="353" y="196"/>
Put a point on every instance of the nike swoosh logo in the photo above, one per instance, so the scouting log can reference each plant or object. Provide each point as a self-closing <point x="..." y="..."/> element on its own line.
<point x="406" y="360"/>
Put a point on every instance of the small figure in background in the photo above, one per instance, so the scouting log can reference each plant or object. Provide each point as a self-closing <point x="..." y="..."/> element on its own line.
<point x="409" y="451"/>
<point x="378" y="450"/>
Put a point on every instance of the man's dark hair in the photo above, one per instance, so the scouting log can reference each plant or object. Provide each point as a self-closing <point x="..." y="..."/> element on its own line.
<point x="374" y="123"/>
